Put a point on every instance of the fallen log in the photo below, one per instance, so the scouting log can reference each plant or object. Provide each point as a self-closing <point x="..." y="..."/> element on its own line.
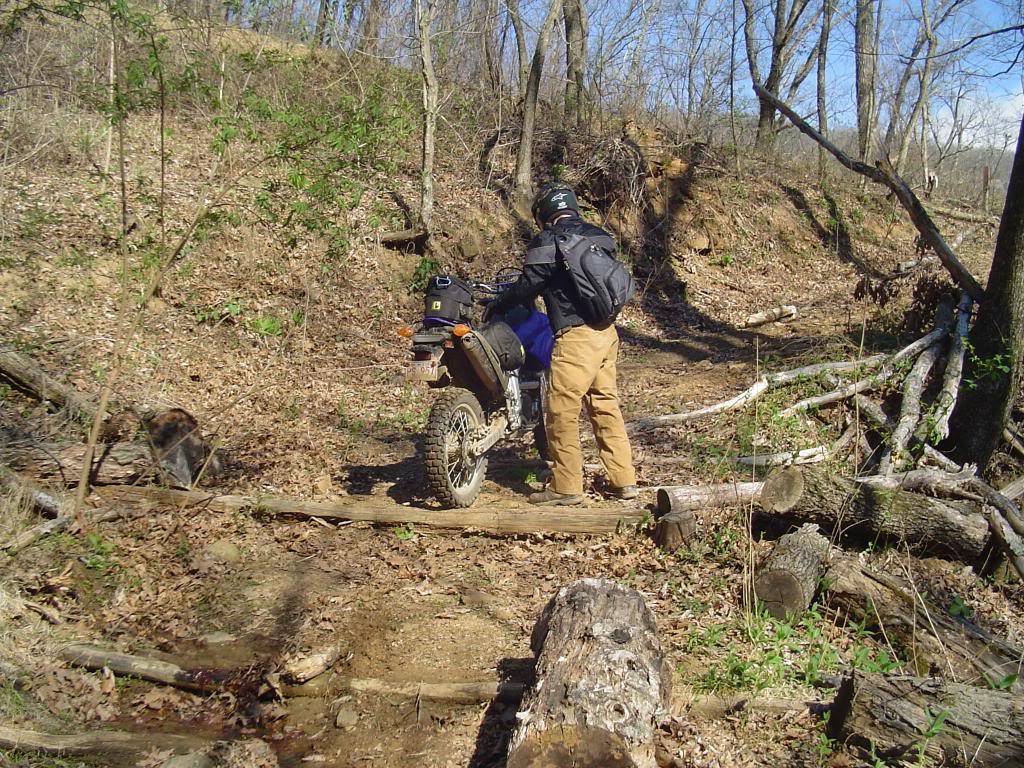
<point x="785" y="312"/>
<point x="850" y="509"/>
<point x="25" y="375"/>
<point x="117" y="463"/>
<point x="785" y="458"/>
<point x="787" y="581"/>
<point x="681" y="498"/>
<point x="302" y="668"/>
<point x="584" y="520"/>
<point x="674" y="530"/>
<point x="902" y="716"/>
<point x="932" y="641"/>
<point x="96" y="742"/>
<point x="603" y="683"/>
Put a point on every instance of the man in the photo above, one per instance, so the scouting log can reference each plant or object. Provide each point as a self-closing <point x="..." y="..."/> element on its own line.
<point x="582" y="361"/>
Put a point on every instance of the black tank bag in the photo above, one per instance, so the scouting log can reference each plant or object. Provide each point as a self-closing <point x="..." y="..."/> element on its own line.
<point x="448" y="298"/>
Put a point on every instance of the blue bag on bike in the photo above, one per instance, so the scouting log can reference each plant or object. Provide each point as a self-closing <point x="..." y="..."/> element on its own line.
<point x="534" y="331"/>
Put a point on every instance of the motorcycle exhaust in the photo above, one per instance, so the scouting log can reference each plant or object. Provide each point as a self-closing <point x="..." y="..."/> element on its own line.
<point x="485" y="365"/>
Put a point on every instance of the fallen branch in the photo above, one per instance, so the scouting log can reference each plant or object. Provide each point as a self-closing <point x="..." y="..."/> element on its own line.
<point x="886" y="372"/>
<point x="930" y="481"/>
<point x="154" y="670"/>
<point x="758" y="388"/>
<point x="910" y="410"/>
<point x="120" y="743"/>
<point x="593" y="520"/>
<point x="65" y="522"/>
<point x="872" y="412"/>
<point x="785" y="312"/>
<point x="1014" y="489"/>
<point x="882" y="173"/>
<point x="786" y="458"/>
<point x="946" y="398"/>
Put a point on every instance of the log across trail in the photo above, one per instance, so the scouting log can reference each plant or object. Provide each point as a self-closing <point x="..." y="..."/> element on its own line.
<point x="114" y="743"/>
<point x="571" y="520"/>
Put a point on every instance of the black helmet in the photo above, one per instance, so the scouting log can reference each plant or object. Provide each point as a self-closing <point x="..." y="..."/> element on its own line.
<point x="551" y="200"/>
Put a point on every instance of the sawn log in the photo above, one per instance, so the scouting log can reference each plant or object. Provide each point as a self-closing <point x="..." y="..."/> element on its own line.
<point x="906" y="717"/>
<point x="857" y="510"/>
<point x="788" y="579"/>
<point x="932" y="641"/>
<point x="602" y="682"/>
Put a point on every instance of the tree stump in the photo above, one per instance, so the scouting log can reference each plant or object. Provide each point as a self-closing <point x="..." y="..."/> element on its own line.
<point x="675" y="529"/>
<point x="602" y="683"/>
<point x="952" y="723"/>
<point x="785" y="584"/>
<point x="868" y="513"/>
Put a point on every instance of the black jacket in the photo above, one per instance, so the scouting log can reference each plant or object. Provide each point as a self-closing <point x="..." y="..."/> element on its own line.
<point x="544" y="274"/>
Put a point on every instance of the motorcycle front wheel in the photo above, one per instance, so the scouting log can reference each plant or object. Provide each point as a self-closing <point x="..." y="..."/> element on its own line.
<point x="453" y="475"/>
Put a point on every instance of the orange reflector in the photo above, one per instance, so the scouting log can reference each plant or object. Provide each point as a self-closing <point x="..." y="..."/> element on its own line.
<point x="406" y="331"/>
<point x="461" y="330"/>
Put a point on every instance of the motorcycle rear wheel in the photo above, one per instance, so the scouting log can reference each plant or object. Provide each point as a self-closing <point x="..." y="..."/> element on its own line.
<point x="453" y="476"/>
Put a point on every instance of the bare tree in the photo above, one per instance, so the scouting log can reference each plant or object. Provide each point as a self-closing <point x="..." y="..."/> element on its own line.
<point x="523" y="189"/>
<point x="865" y="57"/>
<point x="787" y="33"/>
<point x="516" y="18"/>
<point x="822" y="102"/>
<point x="575" y="58"/>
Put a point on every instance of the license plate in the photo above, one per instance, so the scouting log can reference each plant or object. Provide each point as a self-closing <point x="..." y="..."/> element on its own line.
<point x="424" y="370"/>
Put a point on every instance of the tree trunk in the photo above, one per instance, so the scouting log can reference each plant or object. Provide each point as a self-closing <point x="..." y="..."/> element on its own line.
<point x="523" y="191"/>
<point x="522" y="56"/>
<point x="949" y="722"/>
<point x="864" y="44"/>
<point x="788" y="579"/>
<point x="575" y="59"/>
<point x="826" y="31"/>
<point x="996" y="366"/>
<point x="321" y="23"/>
<point x="867" y="513"/>
<point x="932" y="641"/>
<point x="603" y="684"/>
<point x="425" y="14"/>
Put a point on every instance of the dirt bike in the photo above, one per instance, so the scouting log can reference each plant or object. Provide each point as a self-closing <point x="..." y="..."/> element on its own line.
<point x="492" y="388"/>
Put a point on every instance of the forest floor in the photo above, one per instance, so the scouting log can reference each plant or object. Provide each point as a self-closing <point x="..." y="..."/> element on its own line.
<point x="296" y="371"/>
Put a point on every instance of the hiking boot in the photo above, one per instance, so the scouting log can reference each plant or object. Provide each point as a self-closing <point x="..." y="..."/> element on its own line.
<point x="625" y="493"/>
<point x="550" y="498"/>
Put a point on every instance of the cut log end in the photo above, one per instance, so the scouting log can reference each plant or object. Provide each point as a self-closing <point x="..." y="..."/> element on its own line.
<point x="782" y="490"/>
<point x="781" y="593"/>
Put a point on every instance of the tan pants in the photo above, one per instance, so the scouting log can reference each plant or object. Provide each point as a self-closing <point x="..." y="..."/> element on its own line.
<point x="583" y="372"/>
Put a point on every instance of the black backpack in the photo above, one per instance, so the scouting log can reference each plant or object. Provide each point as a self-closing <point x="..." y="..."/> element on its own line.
<point x="602" y="284"/>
